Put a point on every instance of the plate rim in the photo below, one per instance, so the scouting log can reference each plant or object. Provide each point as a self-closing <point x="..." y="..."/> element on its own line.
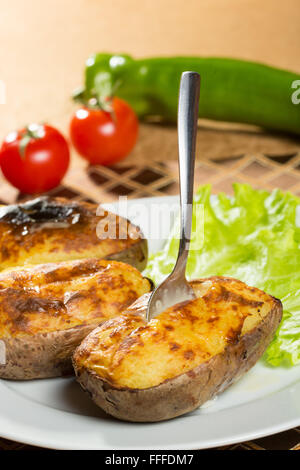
<point x="54" y="443"/>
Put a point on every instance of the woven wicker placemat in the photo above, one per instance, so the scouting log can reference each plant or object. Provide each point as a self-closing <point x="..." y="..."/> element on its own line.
<point x="144" y="177"/>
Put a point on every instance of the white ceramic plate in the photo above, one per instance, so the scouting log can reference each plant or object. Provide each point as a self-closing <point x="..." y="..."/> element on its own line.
<point x="56" y="413"/>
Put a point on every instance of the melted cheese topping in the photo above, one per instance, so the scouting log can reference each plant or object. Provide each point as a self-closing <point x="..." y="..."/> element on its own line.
<point x="51" y="297"/>
<point x="128" y="352"/>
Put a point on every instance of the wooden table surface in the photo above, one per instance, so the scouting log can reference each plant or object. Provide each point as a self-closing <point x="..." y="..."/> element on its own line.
<point x="43" y="49"/>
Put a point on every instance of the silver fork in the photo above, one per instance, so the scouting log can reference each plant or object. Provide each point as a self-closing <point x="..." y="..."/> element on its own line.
<point x="175" y="288"/>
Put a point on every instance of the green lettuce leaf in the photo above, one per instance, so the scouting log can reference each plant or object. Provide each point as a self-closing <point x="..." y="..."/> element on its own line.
<point x="253" y="237"/>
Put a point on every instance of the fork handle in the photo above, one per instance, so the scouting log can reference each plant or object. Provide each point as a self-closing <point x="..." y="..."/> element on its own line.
<point x="188" y="107"/>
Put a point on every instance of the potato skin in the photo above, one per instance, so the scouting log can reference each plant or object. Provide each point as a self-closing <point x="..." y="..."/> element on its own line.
<point x="42" y="356"/>
<point x="136" y="255"/>
<point x="189" y="390"/>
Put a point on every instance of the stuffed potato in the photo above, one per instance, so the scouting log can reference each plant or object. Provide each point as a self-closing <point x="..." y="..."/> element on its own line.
<point x="47" y="310"/>
<point x="138" y="371"/>
<point x="49" y="230"/>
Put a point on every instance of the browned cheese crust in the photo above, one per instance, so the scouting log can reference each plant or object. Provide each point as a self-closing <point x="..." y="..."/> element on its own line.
<point x="47" y="310"/>
<point x="234" y="322"/>
<point x="55" y="229"/>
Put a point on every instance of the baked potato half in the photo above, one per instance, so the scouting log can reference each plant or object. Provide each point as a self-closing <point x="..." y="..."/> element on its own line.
<point x="46" y="311"/>
<point x="49" y="230"/>
<point x="138" y="371"/>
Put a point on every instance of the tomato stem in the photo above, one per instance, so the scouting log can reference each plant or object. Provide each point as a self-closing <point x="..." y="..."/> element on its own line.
<point x="33" y="131"/>
<point x="102" y="102"/>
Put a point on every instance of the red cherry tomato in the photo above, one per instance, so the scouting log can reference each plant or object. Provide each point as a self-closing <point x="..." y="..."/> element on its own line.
<point x="34" y="159"/>
<point x="102" y="137"/>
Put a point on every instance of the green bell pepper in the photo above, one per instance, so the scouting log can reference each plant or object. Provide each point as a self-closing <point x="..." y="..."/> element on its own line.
<point x="231" y="90"/>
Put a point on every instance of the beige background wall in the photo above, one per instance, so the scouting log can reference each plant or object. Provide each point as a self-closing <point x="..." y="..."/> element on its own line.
<point x="44" y="43"/>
